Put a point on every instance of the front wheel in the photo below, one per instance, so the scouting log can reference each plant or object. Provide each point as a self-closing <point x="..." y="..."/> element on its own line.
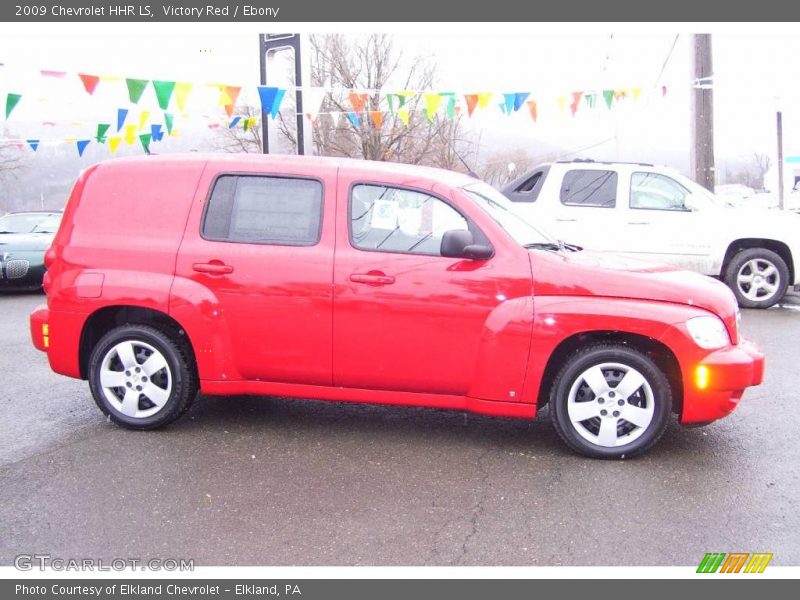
<point x="141" y="377"/>
<point x="758" y="277"/>
<point x="610" y="401"/>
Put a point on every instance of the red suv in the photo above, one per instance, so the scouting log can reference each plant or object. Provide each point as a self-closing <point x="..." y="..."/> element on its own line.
<point x="371" y="282"/>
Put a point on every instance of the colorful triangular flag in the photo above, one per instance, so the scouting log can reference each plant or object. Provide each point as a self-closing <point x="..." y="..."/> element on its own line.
<point x="113" y="143"/>
<point x="89" y="82"/>
<point x="145" y="140"/>
<point x="81" y="145"/>
<point x="102" y="128"/>
<point x="182" y="91"/>
<point x="136" y="88"/>
<point x="122" y="114"/>
<point x="164" y="91"/>
<point x="472" y="102"/>
<point x="34" y="144"/>
<point x="11" y="103"/>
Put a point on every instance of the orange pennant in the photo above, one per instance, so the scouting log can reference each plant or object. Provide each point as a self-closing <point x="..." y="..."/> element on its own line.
<point x="377" y="118"/>
<point x="472" y="103"/>
<point x="359" y="102"/>
<point x="532" y="108"/>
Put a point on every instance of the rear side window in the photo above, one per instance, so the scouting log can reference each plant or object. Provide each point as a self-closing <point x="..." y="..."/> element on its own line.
<point x="589" y="187"/>
<point x="258" y="209"/>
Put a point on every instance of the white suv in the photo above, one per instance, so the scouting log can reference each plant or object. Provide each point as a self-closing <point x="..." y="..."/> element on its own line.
<point x="658" y="214"/>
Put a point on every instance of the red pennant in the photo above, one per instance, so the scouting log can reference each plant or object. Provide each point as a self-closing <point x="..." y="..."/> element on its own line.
<point x="359" y="102"/>
<point x="532" y="108"/>
<point x="472" y="102"/>
<point x="89" y="82"/>
<point x="377" y="118"/>
<point x="576" y="98"/>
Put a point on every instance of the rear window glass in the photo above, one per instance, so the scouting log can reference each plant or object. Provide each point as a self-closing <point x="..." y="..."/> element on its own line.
<point x="589" y="187"/>
<point x="260" y="209"/>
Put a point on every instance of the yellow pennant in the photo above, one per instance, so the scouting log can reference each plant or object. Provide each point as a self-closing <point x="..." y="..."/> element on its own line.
<point x="483" y="99"/>
<point x="130" y="134"/>
<point x="432" y="102"/>
<point x="144" y="116"/>
<point x="224" y="98"/>
<point x="113" y="144"/>
<point x="182" y="91"/>
<point x="635" y="93"/>
<point x="403" y="114"/>
<point x="562" y="102"/>
<point x="110" y="78"/>
<point x="174" y="133"/>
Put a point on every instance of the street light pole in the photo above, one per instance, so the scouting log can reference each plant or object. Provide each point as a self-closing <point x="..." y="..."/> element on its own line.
<point x="275" y="42"/>
<point x="781" y="199"/>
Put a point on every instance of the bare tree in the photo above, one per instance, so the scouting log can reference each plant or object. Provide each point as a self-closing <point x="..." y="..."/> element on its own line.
<point x="236" y="139"/>
<point x="495" y="170"/>
<point x="762" y="164"/>
<point x="372" y="64"/>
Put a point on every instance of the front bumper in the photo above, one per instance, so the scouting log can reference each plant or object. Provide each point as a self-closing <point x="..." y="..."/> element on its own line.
<point x="714" y="385"/>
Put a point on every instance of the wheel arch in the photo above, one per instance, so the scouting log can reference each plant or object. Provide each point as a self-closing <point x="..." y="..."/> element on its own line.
<point x="779" y="248"/>
<point x="107" y="318"/>
<point x="659" y="352"/>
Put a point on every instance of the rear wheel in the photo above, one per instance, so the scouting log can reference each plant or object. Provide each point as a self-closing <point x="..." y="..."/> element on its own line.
<point x="141" y="378"/>
<point x="758" y="277"/>
<point x="610" y="401"/>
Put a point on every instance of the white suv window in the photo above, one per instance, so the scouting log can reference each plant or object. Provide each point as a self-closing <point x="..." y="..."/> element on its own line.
<point x="589" y="187"/>
<point x="654" y="191"/>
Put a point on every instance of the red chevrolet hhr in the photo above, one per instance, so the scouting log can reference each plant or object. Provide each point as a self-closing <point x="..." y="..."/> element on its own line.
<point x="372" y="282"/>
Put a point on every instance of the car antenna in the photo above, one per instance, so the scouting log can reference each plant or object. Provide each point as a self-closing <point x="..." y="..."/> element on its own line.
<point x="470" y="172"/>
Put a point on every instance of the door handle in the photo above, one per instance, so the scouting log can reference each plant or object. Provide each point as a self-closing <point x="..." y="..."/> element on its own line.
<point x="638" y="222"/>
<point x="214" y="267"/>
<point x="372" y="278"/>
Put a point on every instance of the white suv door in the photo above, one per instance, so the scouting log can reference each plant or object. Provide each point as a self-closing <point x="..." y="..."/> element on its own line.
<point x="661" y="221"/>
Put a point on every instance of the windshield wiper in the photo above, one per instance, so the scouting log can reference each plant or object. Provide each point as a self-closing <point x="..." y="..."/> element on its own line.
<point x="555" y="246"/>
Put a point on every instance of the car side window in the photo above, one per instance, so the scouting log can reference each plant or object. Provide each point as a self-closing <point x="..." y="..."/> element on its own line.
<point x="657" y="192"/>
<point x="390" y="219"/>
<point x="258" y="209"/>
<point x="589" y="187"/>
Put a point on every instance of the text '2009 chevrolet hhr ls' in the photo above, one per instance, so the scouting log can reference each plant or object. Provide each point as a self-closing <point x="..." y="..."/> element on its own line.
<point x="372" y="282"/>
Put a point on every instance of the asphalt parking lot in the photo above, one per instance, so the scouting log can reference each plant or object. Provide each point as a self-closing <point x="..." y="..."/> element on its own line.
<point x="271" y="481"/>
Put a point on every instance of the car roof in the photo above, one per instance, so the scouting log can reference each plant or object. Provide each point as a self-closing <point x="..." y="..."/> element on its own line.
<point x="375" y="168"/>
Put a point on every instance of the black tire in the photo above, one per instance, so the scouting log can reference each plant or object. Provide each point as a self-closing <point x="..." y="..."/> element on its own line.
<point x="766" y="256"/>
<point x="660" y="395"/>
<point x="182" y="374"/>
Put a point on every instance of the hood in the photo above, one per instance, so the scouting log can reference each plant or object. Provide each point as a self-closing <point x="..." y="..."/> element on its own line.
<point x="588" y="273"/>
<point x="25" y="242"/>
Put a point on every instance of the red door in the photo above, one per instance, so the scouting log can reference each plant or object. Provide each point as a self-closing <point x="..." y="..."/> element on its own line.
<point x="262" y="245"/>
<point x="408" y="319"/>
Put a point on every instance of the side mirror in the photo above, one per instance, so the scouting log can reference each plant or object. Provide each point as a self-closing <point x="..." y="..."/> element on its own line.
<point x="459" y="243"/>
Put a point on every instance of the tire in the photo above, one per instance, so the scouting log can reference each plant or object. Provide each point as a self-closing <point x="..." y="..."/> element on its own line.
<point x="610" y="435"/>
<point x="758" y="277"/>
<point x="168" y="383"/>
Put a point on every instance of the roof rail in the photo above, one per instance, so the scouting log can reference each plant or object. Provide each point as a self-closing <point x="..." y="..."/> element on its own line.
<point x="604" y="162"/>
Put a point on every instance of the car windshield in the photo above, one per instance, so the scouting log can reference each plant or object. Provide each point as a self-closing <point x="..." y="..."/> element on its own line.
<point x="29" y="223"/>
<point x="498" y="207"/>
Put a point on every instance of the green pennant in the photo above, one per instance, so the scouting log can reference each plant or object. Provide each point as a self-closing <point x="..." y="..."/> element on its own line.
<point x="168" y="120"/>
<point x="390" y="101"/>
<point x="136" y="88"/>
<point x="164" y="91"/>
<point x="145" y="139"/>
<point x="451" y="104"/>
<point x="608" y="96"/>
<point x="402" y="100"/>
<point x="11" y="102"/>
<point x="102" y="128"/>
<point x="590" y="99"/>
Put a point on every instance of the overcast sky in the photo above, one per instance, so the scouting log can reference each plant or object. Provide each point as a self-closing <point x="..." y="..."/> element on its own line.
<point x="752" y="71"/>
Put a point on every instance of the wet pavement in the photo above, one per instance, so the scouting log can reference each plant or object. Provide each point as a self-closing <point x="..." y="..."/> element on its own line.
<point x="271" y="481"/>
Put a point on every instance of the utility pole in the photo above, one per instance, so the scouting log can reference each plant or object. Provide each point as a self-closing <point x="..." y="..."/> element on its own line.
<point x="703" y="112"/>
<point x="781" y="199"/>
<point x="274" y="42"/>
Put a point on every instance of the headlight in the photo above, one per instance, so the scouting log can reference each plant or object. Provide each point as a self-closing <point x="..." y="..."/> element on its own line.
<point x="708" y="332"/>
